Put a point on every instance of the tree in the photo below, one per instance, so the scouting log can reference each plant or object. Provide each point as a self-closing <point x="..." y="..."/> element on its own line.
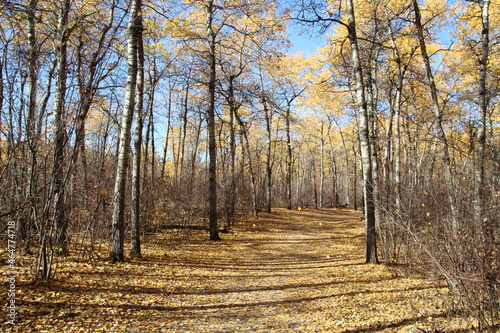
<point x="231" y="75"/>
<point x="483" y="111"/>
<point x="312" y="15"/>
<point x="364" y="138"/>
<point x="438" y="114"/>
<point x="488" y="228"/>
<point x="31" y="131"/>
<point x="63" y="34"/>
<point x="118" y="223"/>
<point x="90" y="75"/>
<point x="246" y="144"/>
<point x="135" y="242"/>
<point x="212" y="149"/>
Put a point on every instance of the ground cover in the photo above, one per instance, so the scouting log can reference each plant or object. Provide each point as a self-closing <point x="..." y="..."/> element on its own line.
<point x="290" y="271"/>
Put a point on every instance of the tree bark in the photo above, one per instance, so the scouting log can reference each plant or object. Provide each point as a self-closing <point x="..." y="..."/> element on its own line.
<point x="483" y="107"/>
<point x="333" y="166"/>
<point x="250" y="166"/>
<point x="371" y="101"/>
<point x="488" y="224"/>
<point x="183" y="129"/>
<point x="288" y="160"/>
<point x="231" y="187"/>
<point x="118" y="223"/>
<point x="322" y="167"/>
<point x="364" y="137"/>
<point x="135" y="240"/>
<point x="212" y="149"/>
<point x="269" y="168"/>
<point x="59" y="218"/>
<point x="153" y="82"/>
<point x="397" y="105"/>
<point x="24" y="224"/>
<point x="438" y="115"/>
<point x="167" y="135"/>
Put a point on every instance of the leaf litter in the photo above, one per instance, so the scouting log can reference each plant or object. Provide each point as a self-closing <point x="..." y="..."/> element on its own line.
<point x="290" y="271"/>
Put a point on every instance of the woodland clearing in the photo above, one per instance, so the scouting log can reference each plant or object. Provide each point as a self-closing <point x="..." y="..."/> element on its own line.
<point x="289" y="271"/>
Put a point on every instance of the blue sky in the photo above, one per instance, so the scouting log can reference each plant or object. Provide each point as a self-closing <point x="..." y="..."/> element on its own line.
<point x="306" y="42"/>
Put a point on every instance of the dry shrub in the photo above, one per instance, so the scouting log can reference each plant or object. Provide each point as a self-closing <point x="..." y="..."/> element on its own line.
<point x="419" y="233"/>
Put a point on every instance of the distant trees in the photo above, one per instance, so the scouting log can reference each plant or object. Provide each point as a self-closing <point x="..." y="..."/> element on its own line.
<point x="317" y="14"/>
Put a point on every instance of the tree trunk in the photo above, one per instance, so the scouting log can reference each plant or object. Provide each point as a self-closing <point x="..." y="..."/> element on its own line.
<point x="490" y="273"/>
<point x="88" y="85"/>
<point x="135" y="241"/>
<point x="322" y="167"/>
<point x="194" y="155"/>
<point x="355" y="178"/>
<point x="269" y="169"/>
<point x="24" y="224"/>
<point x="364" y="138"/>
<point x="334" y="171"/>
<point x="212" y="149"/>
<point x="288" y="160"/>
<point x="370" y="95"/>
<point x="118" y="223"/>
<point x="397" y="104"/>
<point x="167" y="135"/>
<point x="250" y="166"/>
<point x="231" y="187"/>
<point x="439" y="123"/>
<point x="314" y="179"/>
<point x="347" y="164"/>
<point x="483" y="106"/>
<point x="153" y="83"/>
<point x="60" y="130"/>
<point x="183" y="129"/>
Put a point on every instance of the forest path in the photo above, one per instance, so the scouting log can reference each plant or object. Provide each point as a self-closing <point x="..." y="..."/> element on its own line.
<point x="290" y="271"/>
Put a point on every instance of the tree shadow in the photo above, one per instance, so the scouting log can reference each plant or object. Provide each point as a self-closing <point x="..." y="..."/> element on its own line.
<point x="132" y="290"/>
<point x="162" y="292"/>
<point x="404" y="322"/>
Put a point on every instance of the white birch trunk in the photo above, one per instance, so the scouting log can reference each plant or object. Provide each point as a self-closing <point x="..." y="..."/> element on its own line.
<point x="135" y="243"/>
<point x="364" y="137"/>
<point x="118" y="223"/>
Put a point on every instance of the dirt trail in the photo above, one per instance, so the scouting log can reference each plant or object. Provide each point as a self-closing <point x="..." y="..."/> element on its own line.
<point x="287" y="272"/>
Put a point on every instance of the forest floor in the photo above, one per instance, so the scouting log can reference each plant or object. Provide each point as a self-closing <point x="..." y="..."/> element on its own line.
<point x="290" y="271"/>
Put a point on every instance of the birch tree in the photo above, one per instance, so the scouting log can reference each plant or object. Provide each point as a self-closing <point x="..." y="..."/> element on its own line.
<point x="118" y="220"/>
<point x="135" y="243"/>
<point x="483" y="111"/>
<point x="364" y="137"/>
